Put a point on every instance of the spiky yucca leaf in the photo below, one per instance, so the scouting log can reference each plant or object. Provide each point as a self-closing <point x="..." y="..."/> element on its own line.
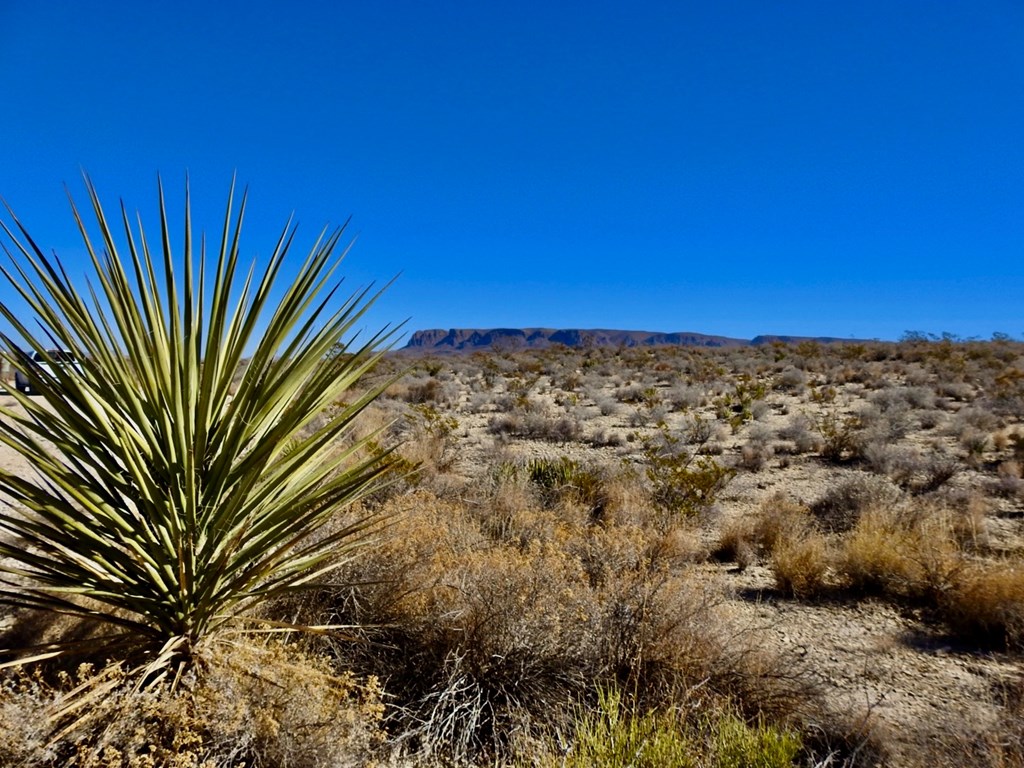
<point x="171" y="500"/>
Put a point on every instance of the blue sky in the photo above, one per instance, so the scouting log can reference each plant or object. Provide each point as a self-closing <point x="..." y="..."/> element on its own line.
<point x="848" y="169"/>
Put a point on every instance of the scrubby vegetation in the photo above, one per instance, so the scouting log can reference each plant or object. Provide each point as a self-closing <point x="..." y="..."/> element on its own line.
<point x="787" y="555"/>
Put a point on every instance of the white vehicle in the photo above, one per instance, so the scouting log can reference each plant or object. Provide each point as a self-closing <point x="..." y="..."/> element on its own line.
<point x="52" y="357"/>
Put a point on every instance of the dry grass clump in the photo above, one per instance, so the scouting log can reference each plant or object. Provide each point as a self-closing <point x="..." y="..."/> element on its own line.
<point x="800" y="564"/>
<point x="247" y="703"/>
<point x="985" y="606"/>
<point x="897" y="552"/>
<point x="746" y="540"/>
<point x="784" y="533"/>
<point x="839" y="509"/>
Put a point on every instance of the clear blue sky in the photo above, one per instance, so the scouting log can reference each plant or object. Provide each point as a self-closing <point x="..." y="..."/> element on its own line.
<point x="803" y="167"/>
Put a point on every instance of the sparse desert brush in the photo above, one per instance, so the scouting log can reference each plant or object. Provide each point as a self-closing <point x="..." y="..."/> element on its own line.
<point x="839" y="434"/>
<point x="754" y="456"/>
<point x="488" y="652"/>
<point x="791" y="379"/>
<point x="662" y="634"/>
<point x="537" y="426"/>
<point x="800" y="564"/>
<point x="779" y="518"/>
<point x="841" y="506"/>
<point x="682" y="481"/>
<point x="910" y="553"/>
<point x="735" y="543"/>
<point x="431" y="444"/>
<point x="565" y="481"/>
<point x="746" y="539"/>
<point x="798" y="433"/>
<point x="483" y="642"/>
<point x="872" y="557"/>
<point x="255" y="703"/>
<point x="986" y="604"/>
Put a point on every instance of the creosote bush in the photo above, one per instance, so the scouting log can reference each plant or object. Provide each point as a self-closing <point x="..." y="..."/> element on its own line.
<point x="683" y="482"/>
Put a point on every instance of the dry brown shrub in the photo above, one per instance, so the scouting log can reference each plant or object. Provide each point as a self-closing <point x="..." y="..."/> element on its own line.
<point x="487" y="651"/>
<point x="744" y="540"/>
<point x="901" y="553"/>
<point x="839" y="508"/>
<point x="871" y="557"/>
<point x="986" y="605"/>
<point x="800" y="564"/>
<point x="735" y="543"/>
<point x="663" y="635"/>
<point x="780" y="518"/>
<point x="485" y="643"/>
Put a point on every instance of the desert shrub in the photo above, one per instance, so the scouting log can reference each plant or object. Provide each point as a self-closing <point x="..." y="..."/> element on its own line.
<point x="425" y="391"/>
<point x="929" y="419"/>
<point x="480" y="402"/>
<point x="735" y="544"/>
<point x="605" y="438"/>
<point x="682" y="482"/>
<point x="431" y="442"/>
<point x="891" y="422"/>
<point x="798" y="431"/>
<point x="842" y="505"/>
<point x="958" y="391"/>
<point x="908" y="469"/>
<point x="986" y="605"/>
<point x="736" y="407"/>
<point x="898" y="463"/>
<point x="684" y="397"/>
<point x="839" y="435"/>
<point x="910" y="553"/>
<point x="972" y="417"/>
<point x="537" y="426"/>
<point x="563" y="480"/>
<point x="746" y="539"/>
<point x="779" y="518"/>
<point x="872" y="558"/>
<point x="799" y="564"/>
<point x="697" y="430"/>
<point x="753" y="456"/>
<point x="791" y="380"/>
<point x="483" y="641"/>
<point x="661" y="634"/>
<point x="934" y="472"/>
<point x="974" y="443"/>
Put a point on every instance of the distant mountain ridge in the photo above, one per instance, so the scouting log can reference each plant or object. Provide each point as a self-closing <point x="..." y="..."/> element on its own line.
<point x="462" y="339"/>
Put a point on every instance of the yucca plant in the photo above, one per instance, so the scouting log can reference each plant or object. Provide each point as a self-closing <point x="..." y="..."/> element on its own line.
<point x="168" y="496"/>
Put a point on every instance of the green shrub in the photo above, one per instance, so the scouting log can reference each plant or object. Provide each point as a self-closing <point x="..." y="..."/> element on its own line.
<point x="563" y="479"/>
<point x="615" y="736"/>
<point x="682" y="482"/>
